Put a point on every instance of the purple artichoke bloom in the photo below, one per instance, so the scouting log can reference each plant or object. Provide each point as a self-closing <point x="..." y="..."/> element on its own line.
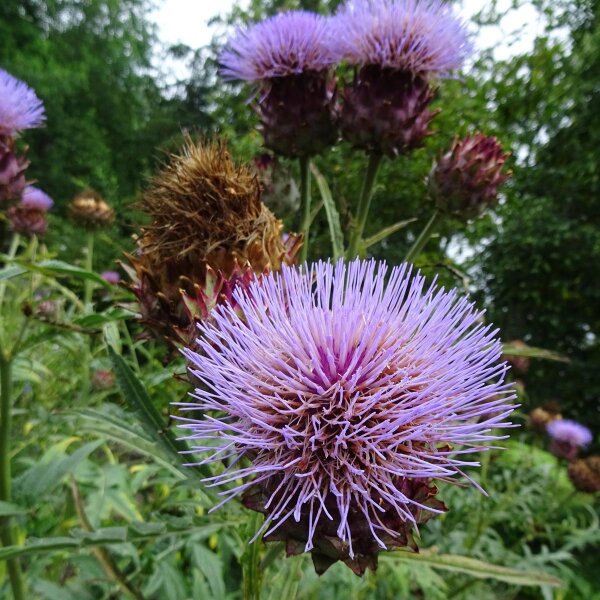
<point x="287" y="44"/>
<point x="33" y="198"/>
<point x="289" y="56"/>
<point x="349" y="397"/>
<point x="568" y="437"/>
<point x="112" y="277"/>
<point x="20" y="108"/>
<point x="415" y="36"/>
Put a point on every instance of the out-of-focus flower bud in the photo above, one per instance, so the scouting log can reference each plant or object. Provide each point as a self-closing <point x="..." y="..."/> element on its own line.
<point x="91" y="211"/>
<point x="584" y="474"/>
<point x="12" y="172"/>
<point x="279" y="190"/>
<point x="465" y="180"/>
<point x="29" y="216"/>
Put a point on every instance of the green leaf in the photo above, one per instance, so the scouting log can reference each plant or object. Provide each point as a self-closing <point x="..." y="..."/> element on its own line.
<point x="106" y="425"/>
<point x="105" y="537"/>
<point x="385" y="232"/>
<point x="333" y="217"/>
<point x="474" y="568"/>
<point x="8" y="509"/>
<point x="136" y="396"/>
<point x="57" y="268"/>
<point x="10" y="272"/>
<point x="93" y="320"/>
<point x="510" y="349"/>
<point x="211" y="567"/>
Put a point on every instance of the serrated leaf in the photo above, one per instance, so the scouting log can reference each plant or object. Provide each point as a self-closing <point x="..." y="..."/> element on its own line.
<point x="333" y="217"/>
<point x="474" y="568"/>
<point x="136" y="396"/>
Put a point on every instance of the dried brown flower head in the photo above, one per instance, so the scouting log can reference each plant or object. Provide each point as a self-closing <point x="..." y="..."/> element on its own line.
<point x="584" y="474"/>
<point x="91" y="211"/>
<point x="206" y="216"/>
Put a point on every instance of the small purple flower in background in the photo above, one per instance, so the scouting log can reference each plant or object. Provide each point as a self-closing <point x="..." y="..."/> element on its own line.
<point x="112" y="277"/>
<point x="350" y="396"/>
<point x="289" y="56"/>
<point x="20" y="108"/>
<point x="399" y="47"/>
<point x="568" y="437"/>
<point x="29" y="216"/>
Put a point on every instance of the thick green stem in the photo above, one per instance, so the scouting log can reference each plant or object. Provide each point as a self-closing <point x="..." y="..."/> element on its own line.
<point x="423" y="238"/>
<point x="12" y="252"/>
<point x="304" y="204"/>
<point x="89" y="266"/>
<point x="6" y="531"/>
<point x="251" y="564"/>
<point x="364" y="204"/>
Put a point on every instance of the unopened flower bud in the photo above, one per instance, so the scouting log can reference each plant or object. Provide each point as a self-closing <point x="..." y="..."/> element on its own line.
<point x="465" y="180"/>
<point x="29" y="216"/>
<point x="12" y="172"/>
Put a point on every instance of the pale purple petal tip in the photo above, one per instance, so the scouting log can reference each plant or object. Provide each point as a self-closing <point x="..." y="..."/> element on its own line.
<point x="419" y="36"/>
<point x="565" y="430"/>
<point x="287" y="44"/>
<point x="111" y="277"/>
<point x="20" y="108"/>
<point x="35" y="199"/>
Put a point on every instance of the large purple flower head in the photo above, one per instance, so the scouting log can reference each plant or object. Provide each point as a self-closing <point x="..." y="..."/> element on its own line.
<point x="348" y="396"/>
<point x="289" y="43"/>
<point x="568" y="437"/>
<point x="20" y="108"/>
<point x="422" y="37"/>
<point x="289" y="56"/>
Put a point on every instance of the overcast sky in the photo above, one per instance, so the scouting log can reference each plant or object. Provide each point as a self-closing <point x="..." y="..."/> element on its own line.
<point x="185" y="21"/>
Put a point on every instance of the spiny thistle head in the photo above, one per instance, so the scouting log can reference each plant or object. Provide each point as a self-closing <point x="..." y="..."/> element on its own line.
<point x="20" y="108"/>
<point x="398" y="47"/>
<point x="465" y="180"/>
<point x="91" y="210"/>
<point x="348" y="393"/>
<point x="206" y="219"/>
<point x="567" y="438"/>
<point x="424" y="38"/>
<point x="289" y="56"/>
<point x="584" y="474"/>
<point x="289" y="43"/>
<point x="29" y="216"/>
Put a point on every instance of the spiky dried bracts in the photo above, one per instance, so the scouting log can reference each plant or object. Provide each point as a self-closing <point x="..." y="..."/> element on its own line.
<point x="208" y="233"/>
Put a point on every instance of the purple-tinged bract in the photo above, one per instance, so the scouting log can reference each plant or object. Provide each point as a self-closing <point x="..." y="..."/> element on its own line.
<point x="35" y="199"/>
<point x="421" y="37"/>
<point x="349" y="392"/>
<point x="289" y="43"/>
<point x="568" y="437"/>
<point x="20" y="108"/>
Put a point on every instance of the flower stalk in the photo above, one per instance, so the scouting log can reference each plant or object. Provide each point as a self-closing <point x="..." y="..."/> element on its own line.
<point x="305" y="201"/>
<point x="364" y="204"/>
<point x="424" y="237"/>
<point x="89" y="266"/>
<point x="6" y="530"/>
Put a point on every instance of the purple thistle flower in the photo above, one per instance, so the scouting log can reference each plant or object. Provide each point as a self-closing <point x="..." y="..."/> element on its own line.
<point x="416" y="36"/>
<point x="20" y="108"/>
<point x="287" y="44"/>
<point x="112" y="277"/>
<point x="33" y="198"/>
<point x="568" y="437"/>
<point x="348" y="396"/>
